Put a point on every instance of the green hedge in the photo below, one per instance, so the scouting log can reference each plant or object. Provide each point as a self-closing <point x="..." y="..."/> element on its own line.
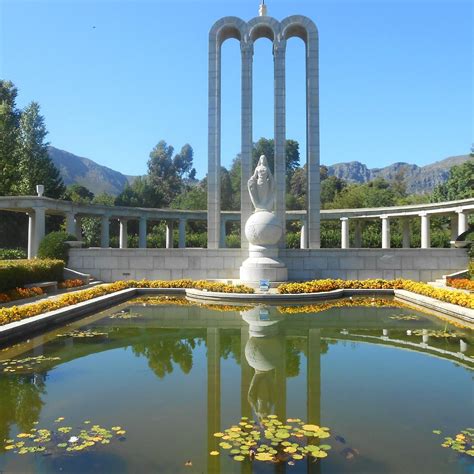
<point x="54" y="245"/>
<point x="18" y="273"/>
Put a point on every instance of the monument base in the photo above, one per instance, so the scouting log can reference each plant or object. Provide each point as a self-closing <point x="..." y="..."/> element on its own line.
<point x="263" y="264"/>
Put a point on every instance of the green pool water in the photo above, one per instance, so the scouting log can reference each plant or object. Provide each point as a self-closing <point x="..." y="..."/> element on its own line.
<point x="168" y="376"/>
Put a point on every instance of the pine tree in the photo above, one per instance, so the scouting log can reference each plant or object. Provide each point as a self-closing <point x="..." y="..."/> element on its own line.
<point x="9" y="122"/>
<point x="35" y="165"/>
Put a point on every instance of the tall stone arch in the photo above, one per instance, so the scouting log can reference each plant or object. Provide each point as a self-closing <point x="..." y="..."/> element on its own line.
<point x="247" y="33"/>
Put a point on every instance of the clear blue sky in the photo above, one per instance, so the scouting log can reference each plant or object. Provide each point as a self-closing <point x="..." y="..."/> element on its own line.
<point x="395" y="77"/>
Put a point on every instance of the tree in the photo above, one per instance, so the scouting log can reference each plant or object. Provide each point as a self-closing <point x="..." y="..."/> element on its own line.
<point x="460" y="184"/>
<point x="265" y="146"/>
<point x="35" y="165"/>
<point x="9" y="131"/>
<point x="78" y="193"/>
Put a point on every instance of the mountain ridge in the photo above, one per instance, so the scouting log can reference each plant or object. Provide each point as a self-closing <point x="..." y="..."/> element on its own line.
<point x="418" y="179"/>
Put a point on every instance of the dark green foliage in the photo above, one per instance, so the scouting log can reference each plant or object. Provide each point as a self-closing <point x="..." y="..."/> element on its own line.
<point x="12" y="254"/>
<point x="18" y="273"/>
<point x="460" y="184"/>
<point x="54" y="246"/>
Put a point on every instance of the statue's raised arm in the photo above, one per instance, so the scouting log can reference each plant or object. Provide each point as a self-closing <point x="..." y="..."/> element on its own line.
<point x="261" y="186"/>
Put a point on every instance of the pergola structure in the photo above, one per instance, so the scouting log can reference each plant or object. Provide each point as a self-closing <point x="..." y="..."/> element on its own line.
<point x="37" y="208"/>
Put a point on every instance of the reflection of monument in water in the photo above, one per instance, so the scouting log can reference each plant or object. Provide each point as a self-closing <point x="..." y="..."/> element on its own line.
<point x="265" y="353"/>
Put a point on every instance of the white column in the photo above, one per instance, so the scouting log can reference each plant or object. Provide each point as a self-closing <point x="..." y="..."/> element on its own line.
<point x="31" y="233"/>
<point x="358" y="234"/>
<point x="182" y="233"/>
<point x="454" y="226"/>
<point x="312" y="140"/>
<point x="123" y="237"/>
<point x="169" y="234"/>
<point x="78" y="227"/>
<point x="462" y="221"/>
<point x="303" y="236"/>
<point x="70" y="223"/>
<point x="214" y="145"/>
<point x="425" y="231"/>
<point x="279" y="48"/>
<point x="385" y="232"/>
<point x="223" y="233"/>
<point x="105" y="232"/>
<point x="406" y="233"/>
<point x="142" y="233"/>
<point x="345" y="233"/>
<point x="39" y="229"/>
<point x="247" y="137"/>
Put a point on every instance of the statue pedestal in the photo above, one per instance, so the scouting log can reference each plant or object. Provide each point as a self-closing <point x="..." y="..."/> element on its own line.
<point x="263" y="264"/>
<point x="263" y="231"/>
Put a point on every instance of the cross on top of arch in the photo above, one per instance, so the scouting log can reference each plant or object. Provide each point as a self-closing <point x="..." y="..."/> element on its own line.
<point x="264" y="27"/>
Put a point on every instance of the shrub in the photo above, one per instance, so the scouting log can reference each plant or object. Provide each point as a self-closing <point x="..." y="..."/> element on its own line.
<point x="20" y="293"/>
<point x="54" y="246"/>
<point x="315" y="286"/>
<point x="12" y="254"/>
<point x="18" y="273"/>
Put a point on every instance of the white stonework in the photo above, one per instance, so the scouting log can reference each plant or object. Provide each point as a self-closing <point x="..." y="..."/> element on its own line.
<point x="124" y="264"/>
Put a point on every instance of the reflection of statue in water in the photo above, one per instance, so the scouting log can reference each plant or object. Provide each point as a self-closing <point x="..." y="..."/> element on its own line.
<point x="261" y="186"/>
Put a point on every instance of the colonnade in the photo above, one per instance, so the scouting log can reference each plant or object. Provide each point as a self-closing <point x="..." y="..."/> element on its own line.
<point x="73" y="226"/>
<point x="459" y="224"/>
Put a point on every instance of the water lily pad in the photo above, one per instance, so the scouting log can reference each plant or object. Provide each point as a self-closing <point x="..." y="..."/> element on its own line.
<point x="214" y="453"/>
<point x="239" y="458"/>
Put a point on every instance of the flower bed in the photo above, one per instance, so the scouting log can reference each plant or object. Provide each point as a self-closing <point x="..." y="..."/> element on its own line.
<point x="73" y="283"/>
<point x="19" y="294"/>
<point x="17" y="313"/>
<point x="461" y="283"/>
<point x="316" y="286"/>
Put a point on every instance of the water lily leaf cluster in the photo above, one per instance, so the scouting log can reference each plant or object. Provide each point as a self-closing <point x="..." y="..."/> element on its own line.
<point x="405" y="317"/>
<point x="28" y="363"/>
<point x="124" y="315"/>
<point x="463" y="442"/>
<point x="273" y="440"/>
<point x="435" y="333"/>
<point x="63" y="439"/>
<point x="82" y="334"/>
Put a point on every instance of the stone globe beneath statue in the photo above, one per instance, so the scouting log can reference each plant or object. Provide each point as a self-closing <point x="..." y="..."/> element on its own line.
<point x="263" y="228"/>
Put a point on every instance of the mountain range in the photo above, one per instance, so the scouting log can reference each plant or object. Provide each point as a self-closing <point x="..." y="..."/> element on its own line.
<point x="418" y="179"/>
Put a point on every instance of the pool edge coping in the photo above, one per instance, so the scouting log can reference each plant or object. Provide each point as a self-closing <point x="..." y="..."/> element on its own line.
<point x="23" y="328"/>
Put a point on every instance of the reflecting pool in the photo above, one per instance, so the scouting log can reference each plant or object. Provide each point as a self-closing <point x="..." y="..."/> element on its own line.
<point x="145" y="386"/>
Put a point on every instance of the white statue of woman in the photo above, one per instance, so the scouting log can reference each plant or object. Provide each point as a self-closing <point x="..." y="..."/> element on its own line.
<point x="261" y="186"/>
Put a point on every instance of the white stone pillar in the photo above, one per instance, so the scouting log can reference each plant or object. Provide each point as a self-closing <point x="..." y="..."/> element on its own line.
<point x="123" y="237"/>
<point x="345" y="233"/>
<point x="425" y="231"/>
<point x="385" y="232"/>
<point x="31" y="233"/>
<point x="312" y="140"/>
<point x="454" y="226"/>
<point x="70" y="223"/>
<point x="39" y="229"/>
<point x="358" y="234"/>
<point x="279" y="49"/>
<point x="246" y="138"/>
<point x="169" y="234"/>
<point x="223" y="233"/>
<point x="182" y="233"/>
<point x="105" y="231"/>
<point x="303" y="236"/>
<point x="142" y="233"/>
<point x="406" y="232"/>
<point x="214" y="145"/>
<point x="78" y="228"/>
<point x="462" y="221"/>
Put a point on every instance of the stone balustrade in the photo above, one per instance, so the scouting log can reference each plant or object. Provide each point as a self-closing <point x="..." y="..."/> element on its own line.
<point x="38" y="207"/>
